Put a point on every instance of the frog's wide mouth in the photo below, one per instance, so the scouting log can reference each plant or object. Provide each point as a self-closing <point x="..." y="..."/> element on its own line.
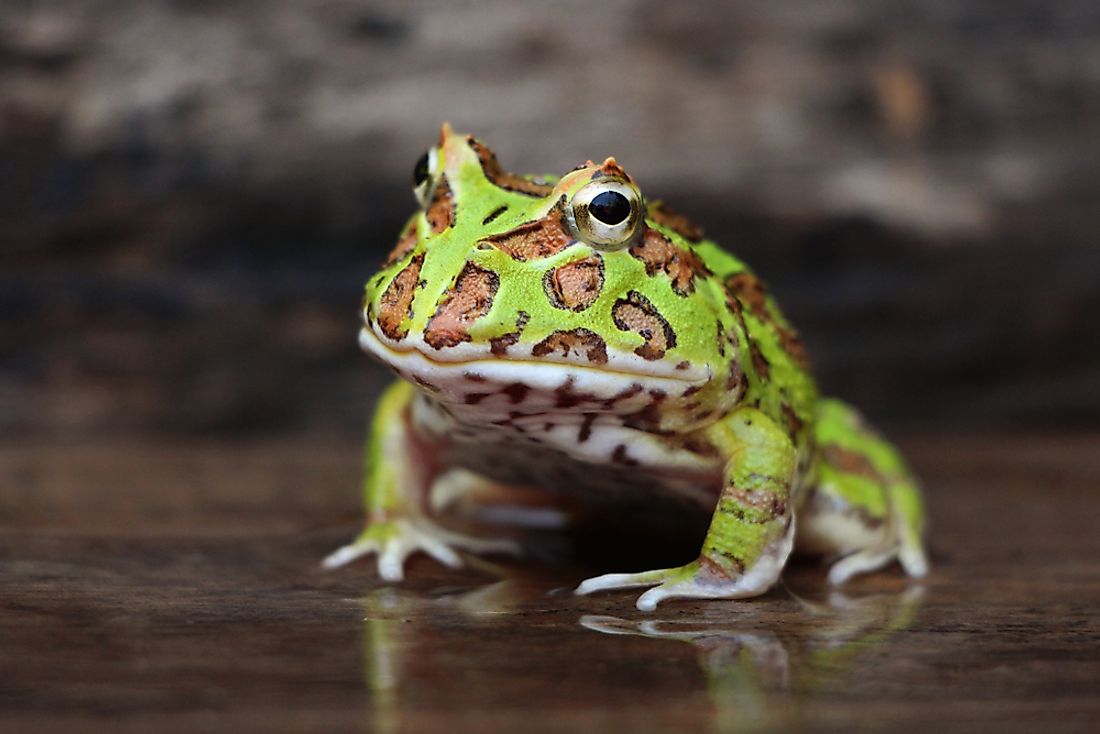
<point x="414" y="359"/>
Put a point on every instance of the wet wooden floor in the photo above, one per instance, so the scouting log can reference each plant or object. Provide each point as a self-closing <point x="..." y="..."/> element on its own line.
<point x="175" y="588"/>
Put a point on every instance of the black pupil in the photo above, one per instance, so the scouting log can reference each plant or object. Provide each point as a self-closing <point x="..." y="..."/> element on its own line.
<point x="420" y="173"/>
<point x="610" y="207"/>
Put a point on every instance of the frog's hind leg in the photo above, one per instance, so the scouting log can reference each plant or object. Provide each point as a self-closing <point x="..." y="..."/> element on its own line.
<point x="860" y="503"/>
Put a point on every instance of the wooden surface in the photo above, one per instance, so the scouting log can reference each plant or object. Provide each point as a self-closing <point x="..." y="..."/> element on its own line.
<point x="174" y="587"/>
<point x="192" y="195"/>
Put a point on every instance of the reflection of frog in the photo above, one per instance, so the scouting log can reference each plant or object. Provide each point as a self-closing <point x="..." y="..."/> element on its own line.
<point x="569" y="335"/>
<point x="774" y="667"/>
<point x="751" y="670"/>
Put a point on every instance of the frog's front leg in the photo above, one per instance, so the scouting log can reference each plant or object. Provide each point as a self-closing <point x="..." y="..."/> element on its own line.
<point x="752" y="531"/>
<point x="402" y="464"/>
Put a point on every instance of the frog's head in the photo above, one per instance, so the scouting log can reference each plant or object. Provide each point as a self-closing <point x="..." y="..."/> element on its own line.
<point x="547" y="282"/>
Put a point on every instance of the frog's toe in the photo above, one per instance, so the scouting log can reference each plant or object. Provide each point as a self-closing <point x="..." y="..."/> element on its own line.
<point x="688" y="589"/>
<point x="667" y="583"/>
<point x="394" y="541"/>
<point x="613" y="581"/>
<point x="344" y="555"/>
<point x="696" y="580"/>
<point x="860" y="562"/>
<point x="413" y="538"/>
<point x="912" y="560"/>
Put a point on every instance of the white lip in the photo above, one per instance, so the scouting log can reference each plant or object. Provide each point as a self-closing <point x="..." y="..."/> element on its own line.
<point x="418" y="358"/>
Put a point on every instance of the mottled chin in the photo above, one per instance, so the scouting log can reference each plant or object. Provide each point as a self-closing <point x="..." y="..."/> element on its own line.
<point x="578" y="348"/>
<point x="472" y="378"/>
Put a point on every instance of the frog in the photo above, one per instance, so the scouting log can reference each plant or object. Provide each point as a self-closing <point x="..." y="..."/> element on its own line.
<point x="564" y="333"/>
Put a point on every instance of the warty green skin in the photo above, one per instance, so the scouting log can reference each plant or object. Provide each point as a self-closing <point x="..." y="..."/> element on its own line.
<point x="532" y="352"/>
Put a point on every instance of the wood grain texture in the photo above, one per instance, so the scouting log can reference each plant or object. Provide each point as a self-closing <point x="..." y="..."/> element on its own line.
<point x="174" y="587"/>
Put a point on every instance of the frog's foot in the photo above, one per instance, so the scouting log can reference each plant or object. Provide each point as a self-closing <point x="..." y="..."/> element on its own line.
<point x="912" y="560"/>
<point x="700" y="579"/>
<point x="395" y="540"/>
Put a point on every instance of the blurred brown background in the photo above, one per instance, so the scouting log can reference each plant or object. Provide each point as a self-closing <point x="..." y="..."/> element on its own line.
<point x="192" y="193"/>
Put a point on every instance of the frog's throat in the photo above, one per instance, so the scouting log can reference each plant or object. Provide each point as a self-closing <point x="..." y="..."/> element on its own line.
<point x="420" y="364"/>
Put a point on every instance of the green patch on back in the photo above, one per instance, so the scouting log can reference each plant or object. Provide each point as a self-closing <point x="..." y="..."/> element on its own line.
<point x="840" y="425"/>
<point x="858" y="491"/>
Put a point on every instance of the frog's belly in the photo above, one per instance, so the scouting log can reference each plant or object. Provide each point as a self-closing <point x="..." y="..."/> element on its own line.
<point x="572" y="452"/>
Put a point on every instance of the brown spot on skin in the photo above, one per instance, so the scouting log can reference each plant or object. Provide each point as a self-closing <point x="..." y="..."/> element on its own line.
<point x="794" y="423"/>
<point x="469" y="300"/>
<point x="430" y="387"/>
<point x="516" y="392"/>
<point x="851" y="462"/>
<point x="575" y="286"/>
<point x="649" y="416"/>
<point x="538" y="239"/>
<point x="735" y="378"/>
<point x="441" y="212"/>
<point x="759" y="361"/>
<point x="585" y="431"/>
<point x="566" y="397"/>
<point x="473" y="398"/>
<point x="721" y="340"/>
<point x="792" y="345"/>
<point x="404" y="245"/>
<point x="637" y="315"/>
<point x="624" y="394"/>
<point x="720" y="565"/>
<point x="395" y="304"/>
<point x="759" y="499"/>
<point x="683" y="365"/>
<point x="473" y="377"/>
<point x="578" y="342"/>
<point x="494" y="214"/>
<point x="499" y="345"/>
<point x="735" y="306"/>
<point x="681" y="265"/>
<point x="748" y="289"/>
<point x="660" y="213"/>
<point x="619" y="456"/>
<point x="504" y="179"/>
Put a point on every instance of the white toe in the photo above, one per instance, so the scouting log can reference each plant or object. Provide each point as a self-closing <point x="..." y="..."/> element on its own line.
<point x="439" y="551"/>
<point x="857" y="563"/>
<point x="345" y="555"/>
<point x="914" y="562"/>
<point x="392" y="561"/>
<point x="610" y="581"/>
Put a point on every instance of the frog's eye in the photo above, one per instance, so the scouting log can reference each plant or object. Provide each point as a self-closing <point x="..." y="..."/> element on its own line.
<point x="424" y="177"/>
<point x="606" y="213"/>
